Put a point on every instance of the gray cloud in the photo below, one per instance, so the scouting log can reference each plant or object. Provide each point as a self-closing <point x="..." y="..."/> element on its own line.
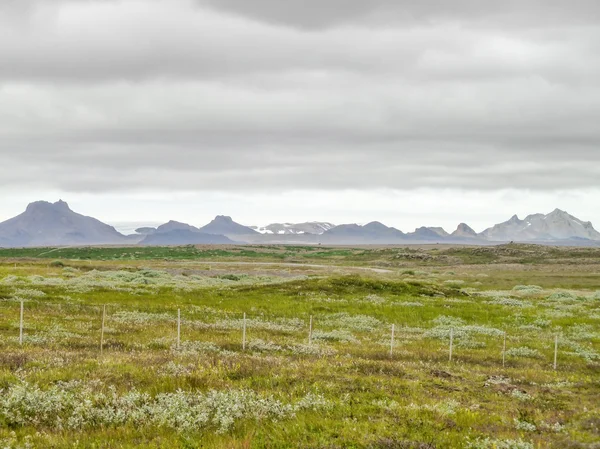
<point x="102" y="96"/>
<point x="330" y="13"/>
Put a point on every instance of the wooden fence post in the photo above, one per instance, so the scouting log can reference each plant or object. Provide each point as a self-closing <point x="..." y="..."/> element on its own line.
<point x="21" y="326"/>
<point x="504" y="351"/>
<point x="178" y="328"/>
<point x="102" y="330"/>
<point x="244" y="334"/>
<point x="555" y="349"/>
<point x="392" y="342"/>
<point x="451" y="342"/>
<point x="310" y="325"/>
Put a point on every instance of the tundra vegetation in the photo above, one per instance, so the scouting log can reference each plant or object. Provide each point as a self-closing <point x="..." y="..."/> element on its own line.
<point x="347" y="384"/>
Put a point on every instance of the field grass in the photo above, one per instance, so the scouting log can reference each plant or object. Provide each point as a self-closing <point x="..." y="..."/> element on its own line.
<point x="389" y="256"/>
<point x="339" y="387"/>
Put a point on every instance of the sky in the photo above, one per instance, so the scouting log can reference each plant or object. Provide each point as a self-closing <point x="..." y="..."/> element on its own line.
<point x="413" y="113"/>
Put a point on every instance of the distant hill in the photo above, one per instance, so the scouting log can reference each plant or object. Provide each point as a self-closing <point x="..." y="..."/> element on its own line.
<point x="439" y="231"/>
<point x="45" y="223"/>
<point x="374" y="232"/>
<point x="184" y="237"/>
<point x="464" y="231"/>
<point x="425" y="234"/>
<point x="557" y="225"/>
<point x="312" y="227"/>
<point x="223" y="225"/>
<point x="178" y="233"/>
<point x="55" y="224"/>
<point x="173" y="225"/>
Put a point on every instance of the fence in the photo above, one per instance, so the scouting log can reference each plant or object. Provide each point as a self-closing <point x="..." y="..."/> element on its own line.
<point x="244" y="328"/>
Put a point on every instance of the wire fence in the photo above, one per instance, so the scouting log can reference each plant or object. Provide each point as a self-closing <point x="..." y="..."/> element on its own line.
<point x="203" y="323"/>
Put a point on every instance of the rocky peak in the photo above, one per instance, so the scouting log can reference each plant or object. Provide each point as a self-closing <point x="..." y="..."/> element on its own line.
<point x="558" y="213"/>
<point x="46" y="206"/>
<point x="44" y="223"/>
<point x="376" y="226"/>
<point x="464" y="230"/>
<point x="173" y="225"/>
<point x="224" y="225"/>
<point x="439" y="231"/>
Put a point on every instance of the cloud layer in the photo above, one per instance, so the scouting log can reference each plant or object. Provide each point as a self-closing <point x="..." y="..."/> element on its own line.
<point x="232" y="95"/>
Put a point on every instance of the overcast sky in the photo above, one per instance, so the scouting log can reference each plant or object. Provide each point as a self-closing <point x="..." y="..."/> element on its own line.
<point x="425" y="112"/>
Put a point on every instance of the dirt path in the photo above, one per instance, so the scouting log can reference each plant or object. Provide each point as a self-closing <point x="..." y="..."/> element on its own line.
<point x="308" y="265"/>
<point x="48" y="252"/>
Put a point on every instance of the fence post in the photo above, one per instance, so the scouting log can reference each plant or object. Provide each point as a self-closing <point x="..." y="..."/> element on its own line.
<point x="21" y="326"/>
<point x="392" y="341"/>
<point x="244" y="333"/>
<point x="102" y="330"/>
<point x="451" y="342"/>
<point x="178" y="328"/>
<point x="310" y="324"/>
<point x="555" y="349"/>
<point x="504" y="351"/>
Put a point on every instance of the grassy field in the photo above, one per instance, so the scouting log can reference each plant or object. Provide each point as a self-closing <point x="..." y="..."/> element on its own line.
<point x="343" y="385"/>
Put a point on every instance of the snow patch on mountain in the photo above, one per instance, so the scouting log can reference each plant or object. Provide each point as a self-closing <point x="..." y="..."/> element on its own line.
<point x="310" y="227"/>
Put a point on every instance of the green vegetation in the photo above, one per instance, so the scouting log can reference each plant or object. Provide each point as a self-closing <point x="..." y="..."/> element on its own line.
<point x="339" y="388"/>
<point x="427" y="255"/>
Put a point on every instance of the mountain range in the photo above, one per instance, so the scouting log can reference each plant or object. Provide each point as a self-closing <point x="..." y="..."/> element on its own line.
<point x="177" y="233"/>
<point x="44" y="224"/>
<point x="312" y="227"/>
<point x="55" y="224"/>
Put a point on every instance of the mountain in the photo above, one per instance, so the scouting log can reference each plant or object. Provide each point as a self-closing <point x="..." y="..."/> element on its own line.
<point x="507" y="231"/>
<point x="374" y="232"/>
<point x="224" y="225"/>
<point x="557" y="225"/>
<point x="45" y="224"/>
<point x="311" y="227"/>
<point x="55" y="224"/>
<point x="184" y="237"/>
<point x="439" y="231"/>
<point x="178" y="233"/>
<point x="176" y="226"/>
<point x="464" y="231"/>
<point x="425" y="234"/>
